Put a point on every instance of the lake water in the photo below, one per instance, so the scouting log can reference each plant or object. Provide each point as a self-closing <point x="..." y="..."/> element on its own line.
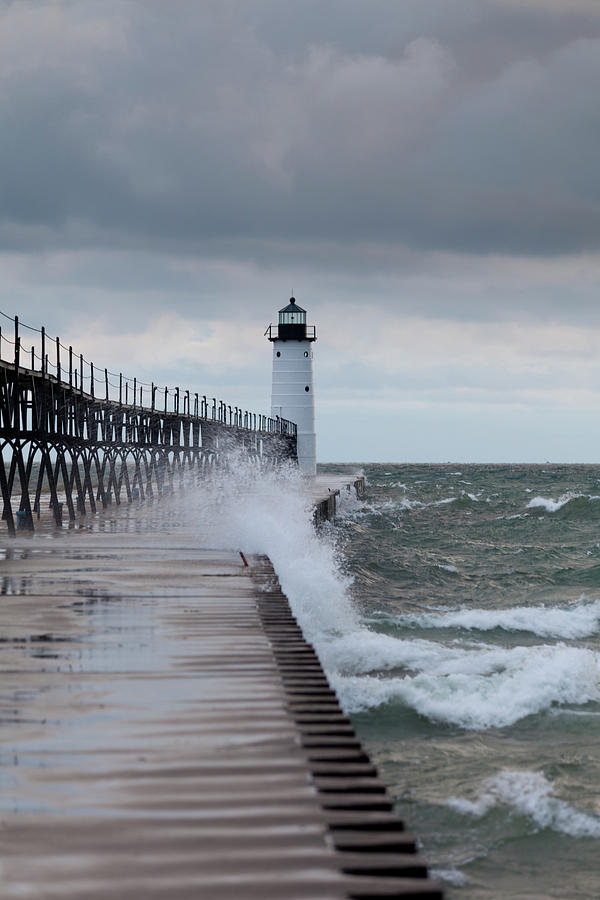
<point x="470" y="664"/>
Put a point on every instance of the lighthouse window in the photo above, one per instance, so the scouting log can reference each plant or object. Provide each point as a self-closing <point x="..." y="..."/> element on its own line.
<point x="278" y="353"/>
<point x="306" y="353"/>
<point x="307" y="388"/>
<point x="298" y="317"/>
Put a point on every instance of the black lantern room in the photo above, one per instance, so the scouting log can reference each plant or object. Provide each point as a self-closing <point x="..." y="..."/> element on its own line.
<point x="292" y="325"/>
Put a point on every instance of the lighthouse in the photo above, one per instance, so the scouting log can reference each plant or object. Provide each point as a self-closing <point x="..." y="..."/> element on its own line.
<point x="292" y="392"/>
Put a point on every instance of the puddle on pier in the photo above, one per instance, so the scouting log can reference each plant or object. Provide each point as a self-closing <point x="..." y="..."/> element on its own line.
<point x="89" y="653"/>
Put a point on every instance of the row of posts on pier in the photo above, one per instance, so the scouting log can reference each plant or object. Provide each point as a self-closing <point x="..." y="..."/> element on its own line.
<point x="130" y="391"/>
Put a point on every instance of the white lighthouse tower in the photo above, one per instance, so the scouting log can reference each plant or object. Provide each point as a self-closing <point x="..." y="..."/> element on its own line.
<point x="292" y="393"/>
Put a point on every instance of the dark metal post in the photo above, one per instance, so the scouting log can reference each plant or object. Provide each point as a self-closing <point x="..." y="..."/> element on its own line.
<point x="43" y="352"/>
<point x="152" y="402"/>
<point x="58" y="371"/>
<point x="17" y="342"/>
<point x="15" y="410"/>
<point x="120" y="388"/>
<point x="106" y="383"/>
<point x="92" y="380"/>
<point x="70" y="367"/>
<point x="134" y="391"/>
<point x="81" y="373"/>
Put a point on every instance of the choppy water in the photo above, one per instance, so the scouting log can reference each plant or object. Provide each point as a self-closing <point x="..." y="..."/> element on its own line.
<point x="457" y="612"/>
<point x="472" y="667"/>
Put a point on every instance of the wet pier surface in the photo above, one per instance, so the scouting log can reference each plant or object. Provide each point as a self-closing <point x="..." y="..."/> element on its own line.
<point x="167" y="732"/>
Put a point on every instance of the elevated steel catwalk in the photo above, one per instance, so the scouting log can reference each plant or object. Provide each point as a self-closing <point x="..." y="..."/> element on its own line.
<point x="64" y="449"/>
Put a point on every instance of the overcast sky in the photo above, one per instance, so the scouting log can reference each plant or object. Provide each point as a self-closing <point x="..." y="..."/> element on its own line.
<point x="422" y="174"/>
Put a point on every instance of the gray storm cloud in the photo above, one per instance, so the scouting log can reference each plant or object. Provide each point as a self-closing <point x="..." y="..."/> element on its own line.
<point x="422" y="174"/>
<point x="129" y="124"/>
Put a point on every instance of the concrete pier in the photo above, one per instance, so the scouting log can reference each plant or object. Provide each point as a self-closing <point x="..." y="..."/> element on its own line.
<point x="326" y="489"/>
<point x="167" y="732"/>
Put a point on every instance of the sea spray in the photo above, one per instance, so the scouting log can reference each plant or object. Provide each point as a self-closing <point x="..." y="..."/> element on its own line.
<point x="270" y="511"/>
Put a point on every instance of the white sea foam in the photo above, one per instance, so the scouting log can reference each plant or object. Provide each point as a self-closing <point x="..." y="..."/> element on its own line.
<point x="359" y="509"/>
<point x="551" y="505"/>
<point x="446" y="568"/>
<point x="529" y="794"/>
<point x="407" y="503"/>
<point x="384" y="507"/>
<point x="476" y="688"/>
<point x="363" y="651"/>
<point x="579" y="620"/>
<point x="451" y="876"/>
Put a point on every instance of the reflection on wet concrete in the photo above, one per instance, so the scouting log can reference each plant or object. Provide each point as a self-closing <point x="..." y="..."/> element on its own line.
<point x="145" y="744"/>
<point x="148" y="747"/>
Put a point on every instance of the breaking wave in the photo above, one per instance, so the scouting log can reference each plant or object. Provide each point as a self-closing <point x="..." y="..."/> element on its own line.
<point x="529" y="794"/>
<point x="577" y="621"/>
<point x="476" y="687"/>
<point x="569" y="503"/>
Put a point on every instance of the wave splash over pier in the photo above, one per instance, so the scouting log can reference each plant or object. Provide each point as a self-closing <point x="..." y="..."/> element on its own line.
<point x="381" y="658"/>
<point x="458" y="621"/>
<point x="272" y="514"/>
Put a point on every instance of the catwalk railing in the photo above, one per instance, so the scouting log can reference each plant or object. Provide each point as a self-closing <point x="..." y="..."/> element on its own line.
<point x="74" y="437"/>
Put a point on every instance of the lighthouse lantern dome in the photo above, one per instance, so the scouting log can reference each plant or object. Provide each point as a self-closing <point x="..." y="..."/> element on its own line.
<point x="292" y="314"/>
<point x="292" y="325"/>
